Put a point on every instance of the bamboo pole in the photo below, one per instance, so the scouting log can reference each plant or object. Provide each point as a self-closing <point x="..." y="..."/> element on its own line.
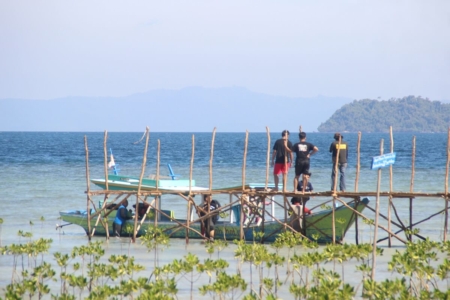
<point x="336" y="174"/>
<point x="105" y="198"/>
<point x="244" y="160"/>
<point x="211" y="156"/>
<point x="88" y="200"/>
<point x="105" y="152"/>
<point x="447" y="198"/>
<point x="191" y="166"/>
<point x="158" y="152"/>
<point x="358" y="158"/>
<point x="145" y="215"/>
<point x="358" y="166"/>
<point x="243" y="184"/>
<point x="141" y="176"/>
<point x="267" y="158"/>
<point x="411" y="187"/>
<point x="391" y="177"/>
<point x="377" y="211"/>
<point x="267" y="180"/>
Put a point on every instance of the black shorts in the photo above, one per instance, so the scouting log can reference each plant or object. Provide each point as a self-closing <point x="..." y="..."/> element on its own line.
<point x="302" y="167"/>
<point x="209" y="222"/>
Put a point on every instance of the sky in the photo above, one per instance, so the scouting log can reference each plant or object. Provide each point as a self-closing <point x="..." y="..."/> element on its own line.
<point x="355" y="49"/>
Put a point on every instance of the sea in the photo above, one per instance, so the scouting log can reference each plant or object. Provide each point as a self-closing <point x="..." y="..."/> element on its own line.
<point x="43" y="173"/>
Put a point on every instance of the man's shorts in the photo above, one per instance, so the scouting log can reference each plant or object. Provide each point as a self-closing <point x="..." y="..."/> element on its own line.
<point x="302" y="167"/>
<point x="281" y="168"/>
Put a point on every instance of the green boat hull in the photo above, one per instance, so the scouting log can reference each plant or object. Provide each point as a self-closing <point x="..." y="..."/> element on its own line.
<point x="318" y="226"/>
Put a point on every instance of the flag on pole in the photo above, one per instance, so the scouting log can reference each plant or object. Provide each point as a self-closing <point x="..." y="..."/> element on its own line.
<point x="111" y="162"/>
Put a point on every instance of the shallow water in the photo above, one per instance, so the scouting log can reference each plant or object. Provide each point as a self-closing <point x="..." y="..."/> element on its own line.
<point x="44" y="173"/>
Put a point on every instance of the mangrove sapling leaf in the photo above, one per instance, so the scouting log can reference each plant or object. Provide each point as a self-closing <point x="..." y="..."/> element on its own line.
<point x="225" y="286"/>
<point x="388" y="289"/>
<point x="218" y="245"/>
<point x="325" y="207"/>
<point x="251" y="296"/>
<point x="443" y="270"/>
<point x="258" y="236"/>
<point x="77" y="282"/>
<point x="328" y="287"/>
<point x="159" y="290"/>
<point x="153" y="238"/>
<point x="288" y="239"/>
<point x="42" y="274"/>
<point x="212" y="266"/>
<point x="63" y="261"/>
<point x="31" y="226"/>
<point x="276" y="260"/>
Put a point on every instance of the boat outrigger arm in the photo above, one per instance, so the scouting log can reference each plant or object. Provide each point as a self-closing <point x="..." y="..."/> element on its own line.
<point x="61" y="226"/>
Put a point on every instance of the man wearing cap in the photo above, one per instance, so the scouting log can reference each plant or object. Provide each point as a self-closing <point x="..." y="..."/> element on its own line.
<point x="338" y="145"/>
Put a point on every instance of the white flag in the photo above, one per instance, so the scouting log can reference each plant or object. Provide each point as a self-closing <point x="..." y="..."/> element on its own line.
<point x="111" y="162"/>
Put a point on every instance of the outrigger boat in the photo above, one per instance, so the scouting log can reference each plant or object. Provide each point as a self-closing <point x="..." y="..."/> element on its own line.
<point x="317" y="226"/>
<point x="130" y="183"/>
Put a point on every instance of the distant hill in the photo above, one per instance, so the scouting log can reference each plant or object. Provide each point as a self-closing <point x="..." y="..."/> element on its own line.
<point x="192" y="109"/>
<point x="408" y="114"/>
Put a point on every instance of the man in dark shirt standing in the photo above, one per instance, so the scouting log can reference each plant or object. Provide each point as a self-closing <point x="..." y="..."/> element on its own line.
<point x="281" y="157"/>
<point x="339" y="146"/>
<point x="303" y="150"/>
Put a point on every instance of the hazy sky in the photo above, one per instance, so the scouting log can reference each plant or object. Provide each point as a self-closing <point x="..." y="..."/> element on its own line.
<point x="356" y="49"/>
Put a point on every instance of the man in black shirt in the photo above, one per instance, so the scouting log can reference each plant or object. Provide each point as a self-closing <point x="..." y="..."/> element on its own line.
<point x="281" y="157"/>
<point x="303" y="150"/>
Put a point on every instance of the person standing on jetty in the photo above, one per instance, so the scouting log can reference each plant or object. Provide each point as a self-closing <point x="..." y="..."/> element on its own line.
<point x="281" y="157"/>
<point x="339" y="144"/>
<point x="303" y="151"/>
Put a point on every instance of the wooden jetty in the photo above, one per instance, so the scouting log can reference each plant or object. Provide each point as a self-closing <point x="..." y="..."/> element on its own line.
<point x="236" y="195"/>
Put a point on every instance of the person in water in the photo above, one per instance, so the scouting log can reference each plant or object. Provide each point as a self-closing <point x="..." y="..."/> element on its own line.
<point x="207" y="225"/>
<point x="121" y="216"/>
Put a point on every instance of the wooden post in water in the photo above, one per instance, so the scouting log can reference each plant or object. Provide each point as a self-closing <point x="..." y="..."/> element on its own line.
<point x="191" y="167"/>
<point x="358" y="157"/>
<point x="88" y="200"/>
<point x="267" y="157"/>
<point x="358" y="166"/>
<point x="336" y="174"/>
<point x="377" y="212"/>
<point x="267" y="180"/>
<point x="144" y="162"/>
<point x="411" y="188"/>
<point x="105" y="151"/>
<point x="157" y="199"/>
<point x="243" y="184"/>
<point x="391" y="176"/>
<point x="105" y="198"/>
<point x="447" y="198"/>
<point x="211" y="156"/>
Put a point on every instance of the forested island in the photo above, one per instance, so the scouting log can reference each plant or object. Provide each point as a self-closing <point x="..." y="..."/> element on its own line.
<point x="407" y="114"/>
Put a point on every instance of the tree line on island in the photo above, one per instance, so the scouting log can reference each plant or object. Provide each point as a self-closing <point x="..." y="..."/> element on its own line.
<point x="407" y="114"/>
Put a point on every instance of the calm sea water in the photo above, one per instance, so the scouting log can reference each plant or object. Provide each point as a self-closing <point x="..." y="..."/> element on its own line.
<point x="45" y="172"/>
